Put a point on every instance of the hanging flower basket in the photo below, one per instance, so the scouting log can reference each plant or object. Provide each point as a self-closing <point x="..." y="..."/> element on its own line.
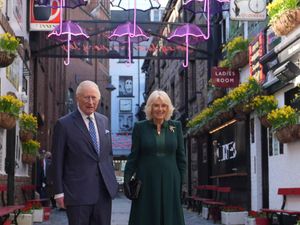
<point x="25" y="135"/>
<point x="6" y="59"/>
<point x="286" y="22"/>
<point x="28" y="158"/>
<point x="287" y="134"/>
<point x="228" y="115"/>
<point x="218" y="93"/>
<point x="7" y="121"/>
<point x="239" y="60"/>
<point x="265" y="122"/>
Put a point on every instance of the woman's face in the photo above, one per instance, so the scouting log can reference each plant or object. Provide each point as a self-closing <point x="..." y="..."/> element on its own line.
<point x="159" y="110"/>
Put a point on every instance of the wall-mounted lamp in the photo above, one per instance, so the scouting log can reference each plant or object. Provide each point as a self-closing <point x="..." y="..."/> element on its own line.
<point x="287" y="71"/>
<point x="110" y="87"/>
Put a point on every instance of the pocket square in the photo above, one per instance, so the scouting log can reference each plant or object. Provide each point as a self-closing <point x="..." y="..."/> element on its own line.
<point x="106" y="131"/>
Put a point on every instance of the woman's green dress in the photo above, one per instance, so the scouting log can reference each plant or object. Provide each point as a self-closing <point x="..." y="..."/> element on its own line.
<point x="159" y="162"/>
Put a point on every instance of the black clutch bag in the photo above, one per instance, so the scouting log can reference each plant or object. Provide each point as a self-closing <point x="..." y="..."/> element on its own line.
<point x="132" y="188"/>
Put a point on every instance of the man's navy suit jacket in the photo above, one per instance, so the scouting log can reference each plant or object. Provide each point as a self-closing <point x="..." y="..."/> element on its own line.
<point x="75" y="163"/>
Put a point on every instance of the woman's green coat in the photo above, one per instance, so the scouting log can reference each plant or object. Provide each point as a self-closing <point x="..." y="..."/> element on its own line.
<point x="159" y="162"/>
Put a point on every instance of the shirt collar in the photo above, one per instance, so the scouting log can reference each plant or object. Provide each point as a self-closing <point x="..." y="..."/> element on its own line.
<point x="84" y="116"/>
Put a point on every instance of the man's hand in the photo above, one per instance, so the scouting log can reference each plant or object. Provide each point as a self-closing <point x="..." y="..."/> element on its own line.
<point x="60" y="202"/>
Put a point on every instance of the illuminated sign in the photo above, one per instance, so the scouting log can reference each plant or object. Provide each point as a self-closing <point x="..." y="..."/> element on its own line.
<point x="225" y="77"/>
<point x="256" y="51"/>
<point x="43" y="18"/>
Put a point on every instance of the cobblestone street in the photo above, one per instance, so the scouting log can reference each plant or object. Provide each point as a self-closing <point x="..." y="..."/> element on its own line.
<point x="120" y="213"/>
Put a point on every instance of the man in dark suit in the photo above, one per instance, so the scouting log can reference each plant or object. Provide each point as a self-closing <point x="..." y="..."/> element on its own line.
<point x="83" y="173"/>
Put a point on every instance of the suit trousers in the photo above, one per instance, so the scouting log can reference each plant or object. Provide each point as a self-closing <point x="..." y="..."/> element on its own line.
<point x="96" y="214"/>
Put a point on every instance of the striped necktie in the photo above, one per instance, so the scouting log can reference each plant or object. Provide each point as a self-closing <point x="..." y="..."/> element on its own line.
<point x="92" y="131"/>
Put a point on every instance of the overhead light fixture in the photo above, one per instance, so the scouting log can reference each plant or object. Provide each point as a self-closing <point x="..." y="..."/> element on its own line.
<point x="287" y="71"/>
<point x="223" y="126"/>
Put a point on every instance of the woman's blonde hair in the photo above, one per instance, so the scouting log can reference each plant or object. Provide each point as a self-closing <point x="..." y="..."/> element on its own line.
<point x="158" y="94"/>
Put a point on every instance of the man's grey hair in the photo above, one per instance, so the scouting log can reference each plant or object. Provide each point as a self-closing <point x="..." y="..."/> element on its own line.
<point x="87" y="84"/>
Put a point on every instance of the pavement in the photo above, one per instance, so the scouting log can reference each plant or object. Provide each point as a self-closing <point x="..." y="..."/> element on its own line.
<point x="120" y="214"/>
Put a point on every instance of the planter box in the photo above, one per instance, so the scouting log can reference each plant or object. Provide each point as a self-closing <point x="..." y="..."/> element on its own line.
<point x="23" y="219"/>
<point x="250" y="221"/>
<point x="47" y="211"/>
<point x="233" y="218"/>
<point x="38" y="215"/>
<point x="205" y="212"/>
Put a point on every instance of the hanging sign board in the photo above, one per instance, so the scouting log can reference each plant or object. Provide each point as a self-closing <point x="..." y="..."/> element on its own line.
<point x="225" y="77"/>
<point x="44" y="18"/>
<point x="249" y="10"/>
<point x="256" y="51"/>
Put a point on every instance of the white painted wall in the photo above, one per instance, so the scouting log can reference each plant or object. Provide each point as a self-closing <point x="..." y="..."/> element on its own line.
<point x="17" y="20"/>
<point x="121" y="69"/>
<point x="284" y="169"/>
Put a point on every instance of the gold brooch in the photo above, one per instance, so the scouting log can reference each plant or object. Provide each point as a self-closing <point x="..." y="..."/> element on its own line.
<point x="172" y="129"/>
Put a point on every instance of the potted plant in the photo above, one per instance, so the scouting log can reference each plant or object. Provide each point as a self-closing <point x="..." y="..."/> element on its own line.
<point x="9" y="111"/>
<point x="284" y="123"/>
<point x="233" y="215"/>
<point x="241" y="96"/>
<point x="30" y="150"/>
<point x="28" y="126"/>
<point x="37" y="212"/>
<point x="262" y="105"/>
<point x="8" y="47"/>
<point x="215" y="92"/>
<point x="256" y="218"/>
<point x="284" y="16"/>
<point x="25" y="217"/>
<point x="237" y="52"/>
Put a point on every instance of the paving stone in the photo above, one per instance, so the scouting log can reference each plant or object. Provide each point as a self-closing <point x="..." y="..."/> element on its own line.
<point x="120" y="214"/>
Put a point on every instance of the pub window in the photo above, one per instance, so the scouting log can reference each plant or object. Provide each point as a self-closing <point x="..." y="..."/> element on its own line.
<point x="292" y="98"/>
<point x="274" y="146"/>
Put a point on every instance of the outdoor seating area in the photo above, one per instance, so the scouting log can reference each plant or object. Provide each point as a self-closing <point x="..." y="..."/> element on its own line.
<point x="282" y="215"/>
<point x="209" y="200"/>
<point x="6" y="211"/>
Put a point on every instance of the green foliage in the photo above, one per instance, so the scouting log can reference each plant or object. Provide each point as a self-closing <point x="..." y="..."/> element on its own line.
<point x="11" y="105"/>
<point x="9" y="43"/>
<point x="236" y="45"/>
<point x="28" y="122"/>
<point x="277" y="7"/>
<point x="283" y="117"/>
<point x="263" y="104"/>
<point x="31" y="147"/>
<point x="241" y="94"/>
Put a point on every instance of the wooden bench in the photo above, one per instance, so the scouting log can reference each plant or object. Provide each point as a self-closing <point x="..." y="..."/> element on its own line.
<point x="204" y="193"/>
<point x="201" y="193"/>
<point x="214" y="206"/>
<point x="28" y="193"/>
<point x="282" y="211"/>
<point x="5" y="210"/>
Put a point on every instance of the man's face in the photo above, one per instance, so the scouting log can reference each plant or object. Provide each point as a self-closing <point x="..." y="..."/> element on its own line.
<point x="88" y="100"/>
<point x="128" y="86"/>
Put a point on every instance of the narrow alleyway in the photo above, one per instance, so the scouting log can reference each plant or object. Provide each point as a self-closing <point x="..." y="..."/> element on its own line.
<point x="121" y="207"/>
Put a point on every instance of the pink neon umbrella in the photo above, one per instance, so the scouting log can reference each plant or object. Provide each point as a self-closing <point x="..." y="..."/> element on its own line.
<point x="68" y="32"/>
<point x="128" y="33"/>
<point x="190" y="34"/>
<point x="146" y="5"/>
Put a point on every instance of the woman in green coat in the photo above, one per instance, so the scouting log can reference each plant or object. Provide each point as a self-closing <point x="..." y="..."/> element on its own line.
<point x="158" y="159"/>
